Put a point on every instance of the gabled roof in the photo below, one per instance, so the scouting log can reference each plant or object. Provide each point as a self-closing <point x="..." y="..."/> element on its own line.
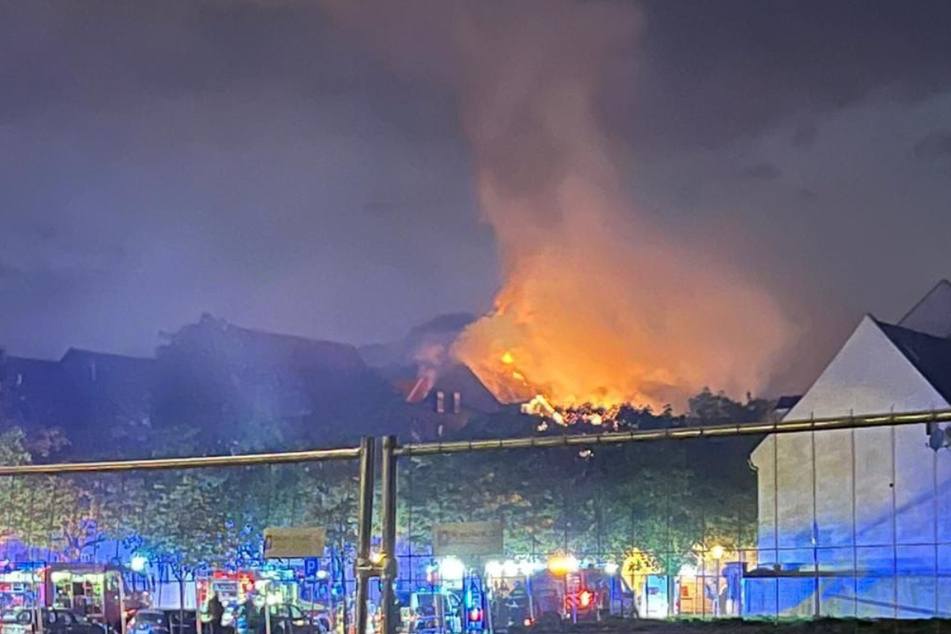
<point x="880" y="368"/>
<point x="82" y="353"/>
<point x="460" y="378"/>
<point x="448" y="378"/>
<point x="276" y="353"/>
<point x="118" y="367"/>
<point x="930" y="355"/>
<point x="931" y="315"/>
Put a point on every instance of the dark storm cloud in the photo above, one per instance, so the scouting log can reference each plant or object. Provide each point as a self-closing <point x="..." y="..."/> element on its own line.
<point x="107" y="56"/>
<point x="161" y="158"/>
<point x="934" y="146"/>
<point x="711" y="72"/>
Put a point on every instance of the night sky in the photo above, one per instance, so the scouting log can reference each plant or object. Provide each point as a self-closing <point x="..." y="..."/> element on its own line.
<point x="268" y="162"/>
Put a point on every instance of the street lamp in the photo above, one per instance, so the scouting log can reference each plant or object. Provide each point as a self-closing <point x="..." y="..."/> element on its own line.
<point x="717" y="553"/>
<point x="563" y="564"/>
<point x="138" y="563"/>
<point x="452" y="569"/>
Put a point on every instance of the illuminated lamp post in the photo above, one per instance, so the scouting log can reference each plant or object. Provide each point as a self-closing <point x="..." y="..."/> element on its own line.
<point x="138" y="563"/>
<point x="717" y="553"/>
<point x="563" y="566"/>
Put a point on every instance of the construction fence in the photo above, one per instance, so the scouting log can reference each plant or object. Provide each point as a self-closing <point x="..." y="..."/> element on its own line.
<point x="840" y="517"/>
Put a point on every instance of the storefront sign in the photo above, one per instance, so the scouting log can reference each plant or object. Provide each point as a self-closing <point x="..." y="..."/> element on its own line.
<point x="467" y="539"/>
<point x="293" y="543"/>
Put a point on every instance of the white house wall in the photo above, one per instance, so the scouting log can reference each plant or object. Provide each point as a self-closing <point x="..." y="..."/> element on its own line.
<point x="877" y="512"/>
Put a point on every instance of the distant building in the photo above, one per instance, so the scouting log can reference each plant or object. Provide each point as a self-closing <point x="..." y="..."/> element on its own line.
<point x="442" y="399"/>
<point x="858" y="522"/>
<point x="442" y="395"/>
<point x="216" y="376"/>
<point x="227" y="380"/>
<point x="85" y="392"/>
<point x="31" y="391"/>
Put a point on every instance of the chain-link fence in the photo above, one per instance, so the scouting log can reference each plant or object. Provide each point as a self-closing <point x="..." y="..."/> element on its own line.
<point x="851" y="522"/>
<point x="843" y="523"/>
<point x="584" y="534"/>
<point x="95" y="546"/>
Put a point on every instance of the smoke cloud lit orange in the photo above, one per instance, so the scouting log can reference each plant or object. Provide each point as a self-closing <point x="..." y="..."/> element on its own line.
<point x="596" y="304"/>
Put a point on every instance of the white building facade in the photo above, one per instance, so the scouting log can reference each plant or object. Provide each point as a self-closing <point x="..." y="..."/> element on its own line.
<point x="858" y="522"/>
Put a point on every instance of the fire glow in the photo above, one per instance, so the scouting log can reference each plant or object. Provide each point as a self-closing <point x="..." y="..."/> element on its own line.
<point x="599" y="303"/>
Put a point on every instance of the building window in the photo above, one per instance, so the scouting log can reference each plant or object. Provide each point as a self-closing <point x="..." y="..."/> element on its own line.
<point x="456" y="402"/>
<point x="440" y="402"/>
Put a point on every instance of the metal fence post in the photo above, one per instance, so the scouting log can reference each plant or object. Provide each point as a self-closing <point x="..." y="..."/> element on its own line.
<point x="816" y="585"/>
<point x="390" y="564"/>
<point x="364" y="567"/>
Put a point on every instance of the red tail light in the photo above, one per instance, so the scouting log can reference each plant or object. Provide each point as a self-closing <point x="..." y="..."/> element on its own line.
<point x="585" y="598"/>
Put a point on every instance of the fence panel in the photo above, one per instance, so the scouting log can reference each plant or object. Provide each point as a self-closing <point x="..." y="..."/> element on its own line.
<point x="99" y="544"/>
<point x="840" y="522"/>
<point x="847" y="522"/>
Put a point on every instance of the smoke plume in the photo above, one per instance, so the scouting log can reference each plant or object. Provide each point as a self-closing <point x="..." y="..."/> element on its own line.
<point x="596" y="305"/>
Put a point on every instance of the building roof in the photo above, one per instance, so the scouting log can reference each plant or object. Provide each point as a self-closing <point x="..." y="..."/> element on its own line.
<point x="931" y="315"/>
<point x="108" y="357"/>
<point x="39" y="385"/>
<point x="449" y="378"/>
<point x="930" y="355"/>
<point x="787" y="402"/>
<point x="460" y="378"/>
<point x="255" y="351"/>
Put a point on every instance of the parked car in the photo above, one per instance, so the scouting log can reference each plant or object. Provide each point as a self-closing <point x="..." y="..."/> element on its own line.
<point x="153" y="621"/>
<point x="55" y="621"/>
<point x="435" y="612"/>
<point x="287" y="618"/>
<point x="16" y="621"/>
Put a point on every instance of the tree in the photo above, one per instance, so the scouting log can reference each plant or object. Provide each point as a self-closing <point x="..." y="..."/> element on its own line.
<point x="669" y="499"/>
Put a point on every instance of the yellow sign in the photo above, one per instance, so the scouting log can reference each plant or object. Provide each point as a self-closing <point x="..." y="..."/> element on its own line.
<point x="294" y="543"/>
<point x="637" y="567"/>
<point x="467" y="539"/>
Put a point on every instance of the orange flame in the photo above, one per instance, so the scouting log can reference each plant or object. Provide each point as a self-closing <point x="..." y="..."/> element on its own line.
<point x="597" y="304"/>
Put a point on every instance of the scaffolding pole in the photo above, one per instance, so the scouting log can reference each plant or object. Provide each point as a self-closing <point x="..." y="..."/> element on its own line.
<point x="390" y="568"/>
<point x="199" y="462"/>
<point x="364" y="567"/>
<point x="674" y="433"/>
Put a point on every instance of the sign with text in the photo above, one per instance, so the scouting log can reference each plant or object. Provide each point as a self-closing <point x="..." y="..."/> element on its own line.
<point x="294" y="543"/>
<point x="311" y="566"/>
<point x="467" y="539"/>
